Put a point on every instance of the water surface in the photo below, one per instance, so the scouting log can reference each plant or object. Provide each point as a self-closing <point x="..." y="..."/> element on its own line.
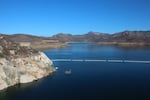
<point x="90" y="80"/>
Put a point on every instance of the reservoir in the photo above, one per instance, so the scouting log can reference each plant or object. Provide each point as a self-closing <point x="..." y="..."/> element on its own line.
<point x="97" y="72"/>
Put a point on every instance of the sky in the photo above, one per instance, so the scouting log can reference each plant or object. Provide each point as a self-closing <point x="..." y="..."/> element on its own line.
<point x="49" y="17"/>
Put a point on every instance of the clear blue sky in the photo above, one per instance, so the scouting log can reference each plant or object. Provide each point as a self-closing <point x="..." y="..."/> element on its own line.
<point x="48" y="17"/>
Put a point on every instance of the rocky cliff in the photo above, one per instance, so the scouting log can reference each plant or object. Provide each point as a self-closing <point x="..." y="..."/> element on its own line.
<point x="21" y="64"/>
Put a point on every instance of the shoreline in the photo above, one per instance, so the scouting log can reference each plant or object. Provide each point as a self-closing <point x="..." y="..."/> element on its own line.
<point x="126" y="44"/>
<point x="121" y="44"/>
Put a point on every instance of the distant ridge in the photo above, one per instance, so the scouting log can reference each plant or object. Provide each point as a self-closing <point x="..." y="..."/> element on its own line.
<point x="123" y="38"/>
<point x="132" y="36"/>
<point x="24" y="37"/>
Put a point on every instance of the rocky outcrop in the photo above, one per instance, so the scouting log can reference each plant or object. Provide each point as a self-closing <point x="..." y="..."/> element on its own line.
<point x="21" y="64"/>
<point x="23" y="70"/>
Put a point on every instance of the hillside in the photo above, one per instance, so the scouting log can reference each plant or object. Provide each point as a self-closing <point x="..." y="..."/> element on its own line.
<point x="88" y="37"/>
<point x="24" y="38"/>
<point x="36" y="42"/>
<point x="131" y="36"/>
<point x="125" y="37"/>
<point x="9" y="48"/>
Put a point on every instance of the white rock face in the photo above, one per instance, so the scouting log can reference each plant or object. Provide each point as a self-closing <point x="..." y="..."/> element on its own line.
<point x="26" y="78"/>
<point x="24" y="70"/>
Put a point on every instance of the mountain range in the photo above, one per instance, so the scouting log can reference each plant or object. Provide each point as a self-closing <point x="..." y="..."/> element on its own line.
<point x="125" y="38"/>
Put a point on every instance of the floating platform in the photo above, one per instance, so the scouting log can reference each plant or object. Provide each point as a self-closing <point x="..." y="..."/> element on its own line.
<point x="101" y="60"/>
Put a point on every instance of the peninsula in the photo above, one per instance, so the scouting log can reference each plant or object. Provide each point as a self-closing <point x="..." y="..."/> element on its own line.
<point x="19" y="63"/>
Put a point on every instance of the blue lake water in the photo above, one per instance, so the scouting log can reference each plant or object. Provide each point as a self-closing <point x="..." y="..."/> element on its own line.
<point x="90" y="80"/>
